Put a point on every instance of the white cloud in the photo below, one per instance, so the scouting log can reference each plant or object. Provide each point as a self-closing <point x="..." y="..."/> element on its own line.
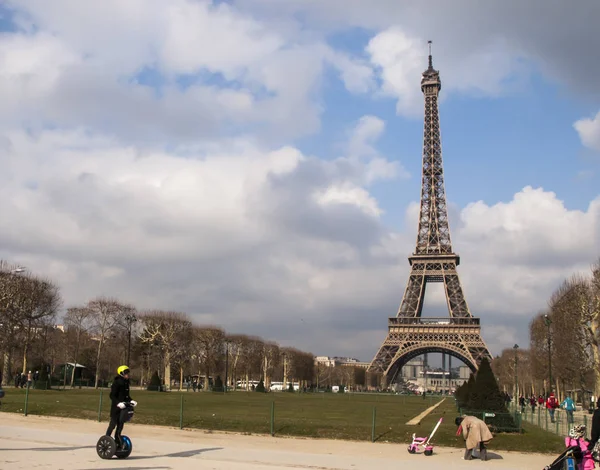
<point x="493" y="36"/>
<point x="399" y="59"/>
<point x="191" y="196"/>
<point x="74" y="66"/>
<point x="255" y="239"/>
<point x="589" y="131"/>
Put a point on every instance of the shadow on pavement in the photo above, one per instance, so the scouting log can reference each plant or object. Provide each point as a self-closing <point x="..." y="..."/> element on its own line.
<point x="49" y="449"/>
<point x="132" y="468"/>
<point x="183" y="454"/>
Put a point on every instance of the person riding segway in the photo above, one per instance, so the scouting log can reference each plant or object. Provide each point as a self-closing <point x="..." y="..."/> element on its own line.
<point x="121" y="411"/>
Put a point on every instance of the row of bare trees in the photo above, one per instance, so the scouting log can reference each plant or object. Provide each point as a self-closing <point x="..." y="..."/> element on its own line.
<point x="564" y="343"/>
<point x="28" y="306"/>
<point x="104" y="333"/>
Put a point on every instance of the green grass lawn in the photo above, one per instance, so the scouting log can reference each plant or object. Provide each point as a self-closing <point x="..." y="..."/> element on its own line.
<point x="324" y="415"/>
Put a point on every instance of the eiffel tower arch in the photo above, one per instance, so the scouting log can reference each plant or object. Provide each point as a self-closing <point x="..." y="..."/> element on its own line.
<point x="410" y="334"/>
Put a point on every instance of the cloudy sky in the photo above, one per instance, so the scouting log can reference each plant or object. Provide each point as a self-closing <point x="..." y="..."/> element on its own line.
<point x="256" y="163"/>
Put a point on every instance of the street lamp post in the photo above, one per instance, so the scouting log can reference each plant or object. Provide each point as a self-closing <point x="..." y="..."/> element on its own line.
<point x="284" y="387"/>
<point x="226" y="364"/>
<point x="548" y="322"/>
<point x="516" y="397"/>
<point x="130" y="318"/>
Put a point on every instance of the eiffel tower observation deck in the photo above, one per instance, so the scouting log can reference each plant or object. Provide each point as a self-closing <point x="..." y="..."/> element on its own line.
<point x="409" y="333"/>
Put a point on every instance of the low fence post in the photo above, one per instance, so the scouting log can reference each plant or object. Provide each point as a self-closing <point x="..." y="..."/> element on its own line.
<point x="181" y="413"/>
<point x="100" y="407"/>
<point x="26" y="399"/>
<point x="373" y="425"/>
<point x="272" y="418"/>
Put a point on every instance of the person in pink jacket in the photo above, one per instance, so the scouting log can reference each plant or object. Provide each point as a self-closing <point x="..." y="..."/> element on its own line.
<point x="576" y="437"/>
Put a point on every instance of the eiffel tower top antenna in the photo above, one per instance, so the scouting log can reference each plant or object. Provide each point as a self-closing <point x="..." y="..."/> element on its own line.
<point x="430" y="57"/>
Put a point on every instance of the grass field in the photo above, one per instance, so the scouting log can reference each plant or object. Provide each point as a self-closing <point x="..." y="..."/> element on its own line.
<point x="343" y="416"/>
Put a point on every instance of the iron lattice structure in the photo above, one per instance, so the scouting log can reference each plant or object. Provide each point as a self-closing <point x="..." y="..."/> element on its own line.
<point x="410" y="334"/>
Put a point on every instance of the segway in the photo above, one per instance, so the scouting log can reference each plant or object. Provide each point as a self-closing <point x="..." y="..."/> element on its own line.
<point x="107" y="446"/>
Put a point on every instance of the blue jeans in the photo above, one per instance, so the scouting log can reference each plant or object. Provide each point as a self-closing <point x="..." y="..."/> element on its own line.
<point x="570" y="416"/>
<point x="551" y="412"/>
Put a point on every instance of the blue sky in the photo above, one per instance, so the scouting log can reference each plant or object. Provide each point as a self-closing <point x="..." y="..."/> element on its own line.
<point x="256" y="148"/>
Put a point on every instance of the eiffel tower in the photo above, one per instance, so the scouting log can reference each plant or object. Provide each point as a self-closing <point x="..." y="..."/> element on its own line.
<point x="411" y="335"/>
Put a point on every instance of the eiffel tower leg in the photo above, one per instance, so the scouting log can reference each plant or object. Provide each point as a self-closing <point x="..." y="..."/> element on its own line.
<point x="457" y="305"/>
<point x="412" y="302"/>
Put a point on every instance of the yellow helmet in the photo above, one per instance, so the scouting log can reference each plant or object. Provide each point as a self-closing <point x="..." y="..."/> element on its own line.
<point x="122" y="370"/>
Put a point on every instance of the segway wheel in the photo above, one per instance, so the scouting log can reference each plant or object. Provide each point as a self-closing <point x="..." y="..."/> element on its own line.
<point x="428" y="452"/>
<point x="106" y="447"/>
<point x="126" y="448"/>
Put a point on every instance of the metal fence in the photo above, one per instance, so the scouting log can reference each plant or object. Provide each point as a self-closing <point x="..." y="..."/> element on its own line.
<point x="497" y="422"/>
<point x="561" y="425"/>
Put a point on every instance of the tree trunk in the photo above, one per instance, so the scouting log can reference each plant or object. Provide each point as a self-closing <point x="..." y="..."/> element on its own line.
<point x="168" y="369"/>
<point x="6" y="372"/>
<point x="206" y="382"/>
<point x="180" y="378"/>
<point x="594" y="327"/>
<point x="75" y="358"/>
<point x="26" y="349"/>
<point x="100" y="344"/>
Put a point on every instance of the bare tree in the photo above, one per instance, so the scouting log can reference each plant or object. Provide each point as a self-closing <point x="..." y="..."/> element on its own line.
<point x="105" y="314"/>
<point x="573" y="357"/>
<point x="41" y="303"/>
<point x="79" y="320"/>
<point x="251" y="359"/>
<point x="208" y="349"/>
<point x="538" y="350"/>
<point x="181" y="350"/>
<point x="12" y="288"/>
<point x="271" y="357"/>
<point x="237" y="346"/>
<point x="166" y="331"/>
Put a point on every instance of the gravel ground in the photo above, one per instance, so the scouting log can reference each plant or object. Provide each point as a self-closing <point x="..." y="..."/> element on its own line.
<point x="69" y="444"/>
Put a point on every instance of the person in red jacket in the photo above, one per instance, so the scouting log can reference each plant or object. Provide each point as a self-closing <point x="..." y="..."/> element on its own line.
<point x="551" y="405"/>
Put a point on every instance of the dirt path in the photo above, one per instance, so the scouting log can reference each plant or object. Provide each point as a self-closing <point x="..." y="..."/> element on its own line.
<point x="60" y="443"/>
<point x="417" y="419"/>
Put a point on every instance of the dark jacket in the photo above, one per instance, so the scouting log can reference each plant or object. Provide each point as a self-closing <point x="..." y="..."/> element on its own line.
<point x="595" y="428"/>
<point x="119" y="391"/>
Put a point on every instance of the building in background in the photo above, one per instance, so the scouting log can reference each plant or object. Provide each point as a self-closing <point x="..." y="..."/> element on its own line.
<point x="422" y="378"/>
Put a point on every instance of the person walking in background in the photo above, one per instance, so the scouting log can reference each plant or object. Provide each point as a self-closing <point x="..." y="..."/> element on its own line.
<point x="551" y="405"/>
<point x="569" y="405"/>
<point x="540" y="401"/>
<point x="532" y="403"/>
<point x="522" y="403"/>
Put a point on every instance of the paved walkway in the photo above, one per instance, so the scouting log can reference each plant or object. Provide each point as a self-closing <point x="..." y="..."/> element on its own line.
<point x="417" y="419"/>
<point x="69" y="444"/>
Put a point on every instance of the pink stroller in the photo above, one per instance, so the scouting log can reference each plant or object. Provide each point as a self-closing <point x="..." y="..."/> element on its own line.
<point x="576" y="437"/>
<point x="423" y="443"/>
